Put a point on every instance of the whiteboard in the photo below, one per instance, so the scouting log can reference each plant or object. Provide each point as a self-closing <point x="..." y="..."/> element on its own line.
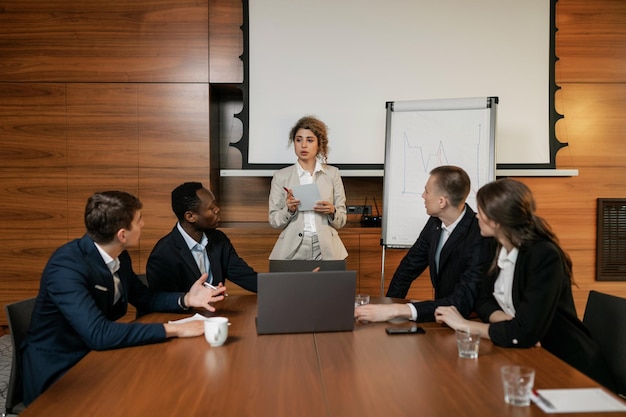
<point x="422" y="135"/>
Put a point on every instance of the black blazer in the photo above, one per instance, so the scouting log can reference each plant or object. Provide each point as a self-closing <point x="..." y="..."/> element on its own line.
<point x="171" y="265"/>
<point x="544" y="312"/>
<point x="462" y="262"/>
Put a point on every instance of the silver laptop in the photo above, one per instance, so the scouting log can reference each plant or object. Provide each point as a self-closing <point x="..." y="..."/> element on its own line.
<point x="306" y="265"/>
<point x="305" y="302"/>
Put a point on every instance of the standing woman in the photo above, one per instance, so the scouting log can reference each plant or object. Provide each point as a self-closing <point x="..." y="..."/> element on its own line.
<point x="308" y="234"/>
<point x="526" y="298"/>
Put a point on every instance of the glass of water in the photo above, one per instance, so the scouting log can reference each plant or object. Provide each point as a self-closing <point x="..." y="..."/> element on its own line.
<point x="361" y="299"/>
<point x="468" y="342"/>
<point x="517" y="382"/>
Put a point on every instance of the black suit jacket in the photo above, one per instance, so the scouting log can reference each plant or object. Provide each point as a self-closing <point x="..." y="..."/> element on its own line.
<point x="172" y="267"/>
<point x="544" y="312"/>
<point x="463" y="260"/>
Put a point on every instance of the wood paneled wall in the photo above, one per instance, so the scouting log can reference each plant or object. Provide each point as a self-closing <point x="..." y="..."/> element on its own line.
<point x="118" y="95"/>
<point x="95" y="96"/>
<point x="591" y="46"/>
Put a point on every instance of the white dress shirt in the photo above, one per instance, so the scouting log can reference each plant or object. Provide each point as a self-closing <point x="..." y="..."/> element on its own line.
<point x="306" y="178"/>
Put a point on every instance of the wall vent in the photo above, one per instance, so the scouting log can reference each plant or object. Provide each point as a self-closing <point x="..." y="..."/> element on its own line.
<point x="611" y="243"/>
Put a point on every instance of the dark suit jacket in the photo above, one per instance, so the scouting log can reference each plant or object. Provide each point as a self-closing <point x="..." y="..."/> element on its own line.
<point x="172" y="267"/>
<point x="462" y="262"/>
<point x="544" y="312"/>
<point x="74" y="313"/>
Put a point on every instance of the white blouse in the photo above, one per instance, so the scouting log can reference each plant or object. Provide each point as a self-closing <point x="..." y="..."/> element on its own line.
<point x="503" y="287"/>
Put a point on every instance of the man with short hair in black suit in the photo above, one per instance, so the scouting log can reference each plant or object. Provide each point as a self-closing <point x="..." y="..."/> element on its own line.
<point x="450" y="245"/>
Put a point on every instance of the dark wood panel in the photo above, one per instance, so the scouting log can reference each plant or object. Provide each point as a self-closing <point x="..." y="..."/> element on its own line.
<point x="173" y="126"/>
<point x="593" y="124"/>
<point x="244" y="199"/>
<point x="33" y="190"/>
<point x="32" y="125"/>
<point x="225" y="41"/>
<point x="591" y="41"/>
<point x="102" y="126"/>
<point x="35" y="201"/>
<point x="96" y="41"/>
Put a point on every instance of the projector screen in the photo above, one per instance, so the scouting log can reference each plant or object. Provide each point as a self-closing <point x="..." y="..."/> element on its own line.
<point x="343" y="60"/>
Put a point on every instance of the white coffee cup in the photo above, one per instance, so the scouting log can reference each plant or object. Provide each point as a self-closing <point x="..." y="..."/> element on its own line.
<point x="216" y="330"/>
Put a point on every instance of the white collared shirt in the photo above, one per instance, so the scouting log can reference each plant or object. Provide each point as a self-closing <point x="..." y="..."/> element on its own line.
<point x="114" y="266"/>
<point x="503" y="287"/>
<point x="198" y="250"/>
<point x="306" y="178"/>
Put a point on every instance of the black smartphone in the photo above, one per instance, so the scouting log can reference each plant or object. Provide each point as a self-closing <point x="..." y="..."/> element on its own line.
<point x="405" y="330"/>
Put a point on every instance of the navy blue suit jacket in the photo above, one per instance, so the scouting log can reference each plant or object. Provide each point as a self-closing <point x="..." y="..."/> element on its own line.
<point x="74" y="313"/>
<point x="464" y="259"/>
<point x="172" y="267"/>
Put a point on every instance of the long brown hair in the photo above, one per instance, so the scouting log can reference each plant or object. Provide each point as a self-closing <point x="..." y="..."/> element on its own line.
<point x="511" y="204"/>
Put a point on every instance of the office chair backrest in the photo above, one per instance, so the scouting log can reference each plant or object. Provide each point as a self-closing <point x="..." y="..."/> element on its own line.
<point x="605" y="317"/>
<point x="18" y="315"/>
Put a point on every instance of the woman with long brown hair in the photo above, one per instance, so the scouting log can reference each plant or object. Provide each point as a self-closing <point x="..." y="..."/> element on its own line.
<point x="526" y="298"/>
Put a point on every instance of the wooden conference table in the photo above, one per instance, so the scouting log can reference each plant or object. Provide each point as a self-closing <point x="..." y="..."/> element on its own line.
<point x="360" y="373"/>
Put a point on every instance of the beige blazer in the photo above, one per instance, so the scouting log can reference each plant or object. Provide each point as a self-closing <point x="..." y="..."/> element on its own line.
<point x="331" y="189"/>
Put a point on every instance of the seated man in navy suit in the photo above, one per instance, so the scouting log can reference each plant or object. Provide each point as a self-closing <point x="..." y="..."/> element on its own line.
<point x="195" y="246"/>
<point x="86" y="286"/>
<point x="450" y="245"/>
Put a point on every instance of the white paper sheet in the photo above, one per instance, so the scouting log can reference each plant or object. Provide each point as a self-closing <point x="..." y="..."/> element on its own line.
<point x="196" y="316"/>
<point x="578" y="400"/>
<point x="308" y="194"/>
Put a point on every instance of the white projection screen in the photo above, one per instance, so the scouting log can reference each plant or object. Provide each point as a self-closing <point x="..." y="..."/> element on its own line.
<point x="343" y="60"/>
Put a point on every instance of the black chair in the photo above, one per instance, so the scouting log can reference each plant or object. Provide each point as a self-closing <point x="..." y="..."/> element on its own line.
<point x="605" y="317"/>
<point x="18" y="315"/>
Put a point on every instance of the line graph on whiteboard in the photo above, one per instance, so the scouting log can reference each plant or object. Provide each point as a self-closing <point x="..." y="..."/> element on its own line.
<point x="418" y="163"/>
<point x="420" y="141"/>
